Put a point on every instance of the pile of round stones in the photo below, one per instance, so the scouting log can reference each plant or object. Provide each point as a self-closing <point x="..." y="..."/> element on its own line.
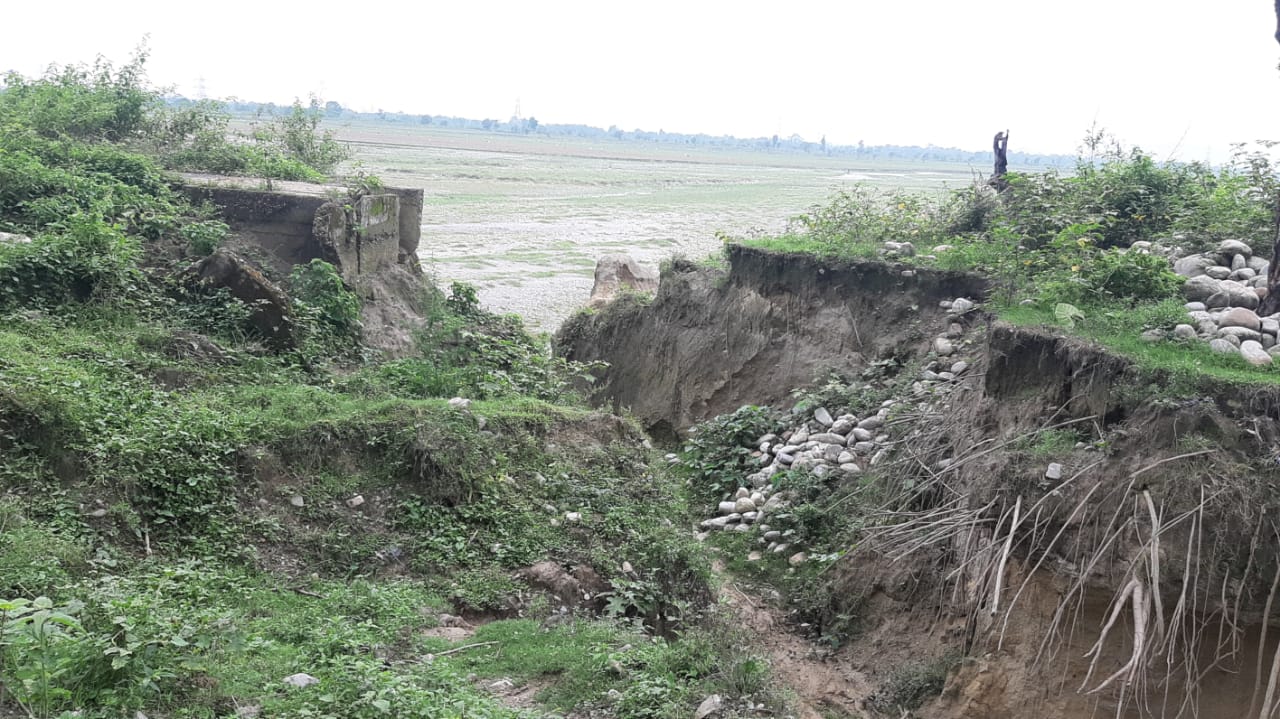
<point x="1225" y="287"/>
<point x="827" y="445"/>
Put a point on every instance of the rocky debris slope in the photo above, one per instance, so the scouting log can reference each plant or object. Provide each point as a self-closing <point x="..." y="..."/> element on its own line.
<point x="824" y="443"/>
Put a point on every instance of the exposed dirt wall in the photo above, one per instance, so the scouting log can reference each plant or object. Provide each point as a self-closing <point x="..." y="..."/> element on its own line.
<point x="711" y="340"/>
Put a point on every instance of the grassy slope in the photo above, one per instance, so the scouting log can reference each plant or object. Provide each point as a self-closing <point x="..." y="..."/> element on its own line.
<point x="205" y="556"/>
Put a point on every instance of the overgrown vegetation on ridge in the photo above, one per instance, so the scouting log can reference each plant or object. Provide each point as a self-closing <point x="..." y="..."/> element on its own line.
<point x="188" y="515"/>
<point x="1056" y="239"/>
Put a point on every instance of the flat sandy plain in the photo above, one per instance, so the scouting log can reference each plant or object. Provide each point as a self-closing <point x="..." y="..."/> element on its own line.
<point x="525" y="217"/>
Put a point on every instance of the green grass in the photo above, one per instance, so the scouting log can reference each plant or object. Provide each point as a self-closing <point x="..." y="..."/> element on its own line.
<point x="1053" y="442"/>
<point x="1115" y="325"/>
<point x="79" y="388"/>
<point x="235" y="635"/>
<point x="128" y="465"/>
<point x="88" y="389"/>
<point x="818" y="248"/>
<point x="1118" y="329"/>
<point x="571" y="657"/>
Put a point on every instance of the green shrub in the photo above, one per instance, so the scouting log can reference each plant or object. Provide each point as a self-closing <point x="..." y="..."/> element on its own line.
<point x="717" y="455"/>
<point x="327" y="309"/>
<point x="42" y="182"/>
<point x="101" y="103"/>
<point x="1057" y="235"/>
<point x="865" y="215"/>
<point x="1133" y="276"/>
<point x="463" y="299"/>
<point x="90" y="102"/>
<point x="88" y="259"/>
<point x="1071" y="269"/>
<point x="296" y="136"/>
<point x="204" y="237"/>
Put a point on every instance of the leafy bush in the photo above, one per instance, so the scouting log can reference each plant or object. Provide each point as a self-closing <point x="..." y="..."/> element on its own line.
<point x="89" y="102"/>
<point x="1134" y="276"/>
<point x="297" y="136"/>
<point x="1062" y="236"/>
<point x="1130" y="196"/>
<point x="98" y="103"/>
<point x="463" y="299"/>
<point x="290" y="147"/>
<point x="88" y="259"/>
<point x="42" y="182"/>
<point x="863" y="215"/>
<point x="717" y="454"/>
<point x="204" y="237"/>
<point x="329" y="311"/>
<point x="1071" y="269"/>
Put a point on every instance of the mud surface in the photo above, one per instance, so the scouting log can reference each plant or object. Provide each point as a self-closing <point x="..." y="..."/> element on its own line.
<point x="823" y="686"/>
<point x="524" y="217"/>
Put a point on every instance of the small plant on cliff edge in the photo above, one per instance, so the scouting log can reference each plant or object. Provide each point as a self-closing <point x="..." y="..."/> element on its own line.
<point x="362" y="183"/>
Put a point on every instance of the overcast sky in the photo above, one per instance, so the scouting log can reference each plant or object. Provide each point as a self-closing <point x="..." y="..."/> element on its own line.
<point x="1173" y="76"/>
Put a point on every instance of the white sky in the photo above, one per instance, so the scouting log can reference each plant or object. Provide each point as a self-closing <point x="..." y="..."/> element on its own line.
<point x="1169" y="75"/>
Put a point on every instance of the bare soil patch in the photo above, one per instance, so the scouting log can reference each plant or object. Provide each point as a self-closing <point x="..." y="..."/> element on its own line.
<point x="825" y="685"/>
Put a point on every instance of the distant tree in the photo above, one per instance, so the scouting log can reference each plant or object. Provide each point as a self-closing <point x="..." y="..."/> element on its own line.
<point x="823" y="144"/>
<point x="332" y="109"/>
<point x="424" y="120"/>
<point x="532" y="123"/>
<point x="486" y="124"/>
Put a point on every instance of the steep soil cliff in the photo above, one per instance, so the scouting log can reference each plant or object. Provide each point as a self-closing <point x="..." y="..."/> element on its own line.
<point x="712" y="339"/>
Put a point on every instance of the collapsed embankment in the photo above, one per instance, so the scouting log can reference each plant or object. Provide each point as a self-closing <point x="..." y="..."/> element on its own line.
<point x="1091" y="536"/>
<point x="710" y="339"/>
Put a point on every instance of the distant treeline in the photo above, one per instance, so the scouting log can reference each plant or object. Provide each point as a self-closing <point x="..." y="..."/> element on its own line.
<point x="333" y="111"/>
